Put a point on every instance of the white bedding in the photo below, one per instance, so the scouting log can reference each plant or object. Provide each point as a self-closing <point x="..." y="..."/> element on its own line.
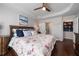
<point x="36" y="45"/>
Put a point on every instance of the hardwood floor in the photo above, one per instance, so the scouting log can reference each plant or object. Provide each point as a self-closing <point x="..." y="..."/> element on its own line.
<point x="64" y="48"/>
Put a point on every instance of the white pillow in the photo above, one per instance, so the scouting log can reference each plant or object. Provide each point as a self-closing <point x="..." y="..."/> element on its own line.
<point x="27" y="33"/>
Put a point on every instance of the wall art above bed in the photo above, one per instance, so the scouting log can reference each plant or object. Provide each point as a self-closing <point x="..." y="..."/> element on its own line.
<point x="23" y="20"/>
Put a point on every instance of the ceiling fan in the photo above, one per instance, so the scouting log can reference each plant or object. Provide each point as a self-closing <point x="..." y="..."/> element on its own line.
<point x="43" y="7"/>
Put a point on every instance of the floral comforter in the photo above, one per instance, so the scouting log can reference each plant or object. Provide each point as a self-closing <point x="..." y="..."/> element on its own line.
<point x="37" y="45"/>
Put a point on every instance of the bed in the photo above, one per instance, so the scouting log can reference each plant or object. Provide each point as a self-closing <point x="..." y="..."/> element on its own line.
<point x="33" y="45"/>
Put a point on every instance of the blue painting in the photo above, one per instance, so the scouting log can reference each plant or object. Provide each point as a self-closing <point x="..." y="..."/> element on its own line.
<point x="23" y="20"/>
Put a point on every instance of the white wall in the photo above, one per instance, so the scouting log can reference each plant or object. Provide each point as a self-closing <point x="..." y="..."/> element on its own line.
<point x="8" y="17"/>
<point x="56" y="27"/>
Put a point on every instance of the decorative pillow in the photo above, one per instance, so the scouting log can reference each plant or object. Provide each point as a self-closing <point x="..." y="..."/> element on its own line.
<point x="19" y="33"/>
<point x="27" y="33"/>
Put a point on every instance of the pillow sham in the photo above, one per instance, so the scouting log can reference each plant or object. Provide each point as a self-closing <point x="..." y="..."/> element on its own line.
<point x="19" y="33"/>
<point x="27" y="33"/>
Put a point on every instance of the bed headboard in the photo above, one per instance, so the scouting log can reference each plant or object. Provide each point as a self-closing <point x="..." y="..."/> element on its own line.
<point x="19" y="27"/>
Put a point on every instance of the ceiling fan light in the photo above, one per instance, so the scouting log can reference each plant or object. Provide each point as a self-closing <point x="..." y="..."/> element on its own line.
<point x="44" y="8"/>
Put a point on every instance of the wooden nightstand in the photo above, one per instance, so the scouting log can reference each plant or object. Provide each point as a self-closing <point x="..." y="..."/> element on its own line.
<point x="4" y="40"/>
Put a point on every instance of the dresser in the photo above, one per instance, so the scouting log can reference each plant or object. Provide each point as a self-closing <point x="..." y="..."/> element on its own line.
<point x="77" y="43"/>
<point x="4" y="40"/>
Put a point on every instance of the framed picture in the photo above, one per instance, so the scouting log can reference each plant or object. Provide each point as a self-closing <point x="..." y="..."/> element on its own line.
<point x="23" y="20"/>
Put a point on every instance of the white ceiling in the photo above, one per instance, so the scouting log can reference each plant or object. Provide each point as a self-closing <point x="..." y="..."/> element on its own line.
<point x="56" y="9"/>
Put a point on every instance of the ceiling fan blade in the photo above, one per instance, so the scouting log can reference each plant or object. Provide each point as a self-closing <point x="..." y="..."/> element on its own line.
<point x="45" y="5"/>
<point x="48" y="9"/>
<point x="37" y="8"/>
